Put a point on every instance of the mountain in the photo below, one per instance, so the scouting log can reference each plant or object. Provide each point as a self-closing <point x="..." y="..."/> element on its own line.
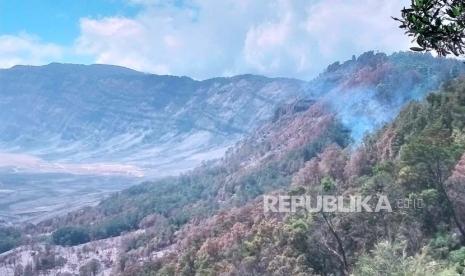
<point x="368" y="91"/>
<point x="106" y="124"/>
<point x="71" y="135"/>
<point x="66" y="117"/>
<point x="210" y="221"/>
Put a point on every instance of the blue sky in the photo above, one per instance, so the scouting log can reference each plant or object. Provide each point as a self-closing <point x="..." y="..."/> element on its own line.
<point x="56" y="21"/>
<point x="198" y="38"/>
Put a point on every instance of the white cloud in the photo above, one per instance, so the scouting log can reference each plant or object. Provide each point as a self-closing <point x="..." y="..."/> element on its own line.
<point x="27" y="49"/>
<point x="356" y="25"/>
<point x="116" y="41"/>
<point x="314" y="35"/>
<point x="205" y="38"/>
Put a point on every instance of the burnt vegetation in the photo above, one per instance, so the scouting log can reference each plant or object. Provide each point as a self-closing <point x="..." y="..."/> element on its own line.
<point x="210" y="221"/>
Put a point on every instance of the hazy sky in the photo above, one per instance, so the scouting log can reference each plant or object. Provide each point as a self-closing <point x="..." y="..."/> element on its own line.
<point x="199" y="38"/>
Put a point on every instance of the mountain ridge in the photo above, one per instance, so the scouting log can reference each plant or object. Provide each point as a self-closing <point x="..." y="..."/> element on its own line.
<point x="177" y="104"/>
<point x="210" y="221"/>
<point x="137" y="124"/>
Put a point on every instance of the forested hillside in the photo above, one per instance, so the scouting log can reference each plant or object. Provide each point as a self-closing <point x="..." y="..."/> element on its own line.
<point x="418" y="156"/>
<point x="116" y="125"/>
<point x="210" y="221"/>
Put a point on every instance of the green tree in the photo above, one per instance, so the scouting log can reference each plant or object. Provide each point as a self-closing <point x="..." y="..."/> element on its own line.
<point x="69" y="236"/>
<point x="437" y="25"/>
<point x="389" y="259"/>
<point x="431" y="159"/>
<point x="9" y="238"/>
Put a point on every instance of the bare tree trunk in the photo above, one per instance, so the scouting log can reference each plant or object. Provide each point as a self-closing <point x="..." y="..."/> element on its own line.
<point x="342" y="253"/>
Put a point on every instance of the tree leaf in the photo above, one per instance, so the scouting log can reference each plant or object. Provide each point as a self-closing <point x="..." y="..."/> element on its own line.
<point x="417" y="49"/>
